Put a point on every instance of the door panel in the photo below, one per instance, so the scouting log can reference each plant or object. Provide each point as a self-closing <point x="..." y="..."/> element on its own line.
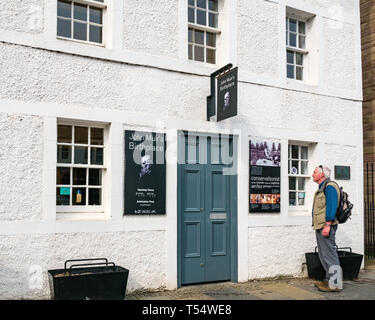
<point x="204" y="215"/>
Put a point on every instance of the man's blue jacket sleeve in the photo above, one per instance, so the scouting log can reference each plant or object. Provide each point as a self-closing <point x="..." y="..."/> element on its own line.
<point x="331" y="203"/>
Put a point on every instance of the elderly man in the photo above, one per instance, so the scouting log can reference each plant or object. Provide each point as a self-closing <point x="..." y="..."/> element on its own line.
<point x="325" y="204"/>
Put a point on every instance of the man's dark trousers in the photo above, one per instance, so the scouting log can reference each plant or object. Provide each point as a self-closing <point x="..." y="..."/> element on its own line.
<point x="328" y="254"/>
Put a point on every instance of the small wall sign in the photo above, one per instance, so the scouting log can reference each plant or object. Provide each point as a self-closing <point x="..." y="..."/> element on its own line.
<point x="342" y="172"/>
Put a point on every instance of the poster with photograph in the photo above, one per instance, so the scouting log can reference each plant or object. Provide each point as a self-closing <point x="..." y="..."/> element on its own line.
<point x="264" y="189"/>
<point x="145" y="173"/>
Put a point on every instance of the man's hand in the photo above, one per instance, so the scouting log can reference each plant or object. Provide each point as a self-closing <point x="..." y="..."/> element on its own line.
<point x="326" y="230"/>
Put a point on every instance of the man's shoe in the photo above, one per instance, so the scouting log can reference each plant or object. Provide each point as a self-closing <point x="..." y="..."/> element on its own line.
<point x="325" y="282"/>
<point x="325" y="288"/>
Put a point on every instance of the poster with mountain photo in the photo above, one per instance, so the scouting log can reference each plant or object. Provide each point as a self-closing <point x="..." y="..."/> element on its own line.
<point x="264" y="186"/>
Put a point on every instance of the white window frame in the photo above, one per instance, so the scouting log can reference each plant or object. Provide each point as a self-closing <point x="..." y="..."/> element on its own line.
<point x="89" y="3"/>
<point x="86" y="208"/>
<point x="206" y="29"/>
<point x="306" y="176"/>
<point x="296" y="50"/>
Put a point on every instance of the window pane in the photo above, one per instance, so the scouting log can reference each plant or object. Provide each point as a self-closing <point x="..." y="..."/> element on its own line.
<point x="302" y="44"/>
<point x="190" y="35"/>
<point x="96" y="34"/>
<point x="210" y="55"/>
<point x="79" y="176"/>
<point x="64" y="28"/>
<point x="64" y="9"/>
<point x="299" y="59"/>
<point x="96" y="15"/>
<point x="201" y="4"/>
<point x="299" y="75"/>
<point x="303" y="167"/>
<point x="81" y="135"/>
<point x="62" y="196"/>
<point x="286" y="37"/>
<point x="293" y="40"/>
<point x="301" y="198"/>
<point x="304" y="153"/>
<point x="294" y="169"/>
<point x="301" y="27"/>
<point x="210" y="39"/>
<point x="290" y="57"/>
<point x="80" y="31"/>
<point x="190" y="52"/>
<point x="292" y="198"/>
<point x="95" y="177"/>
<point x="64" y="154"/>
<point x="290" y="71"/>
<point x="95" y="197"/>
<point x="201" y="17"/>
<point x="191" y="2"/>
<point x="294" y="152"/>
<point x="191" y="15"/>
<point x="96" y="156"/>
<point x="212" y="20"/>
<point x="293" y="25"/>
<point x="198" y="53"/>
<point x="301" y="184"/>
<point x="80" y="12"/>
<point x="64" y="134"/>
<point x="199" y="37"/>
<point x="292" y="183"/>
<point x="80" y="155"/>
<point x="79" y="196"/>
<point x="212" y="5"/>
<point x="96" y="136"/>
<point x="286" y="24"/>
<point x="63" y="176"/>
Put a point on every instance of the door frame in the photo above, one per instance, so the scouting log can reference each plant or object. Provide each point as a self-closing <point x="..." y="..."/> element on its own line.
<point x="233" y="207"/>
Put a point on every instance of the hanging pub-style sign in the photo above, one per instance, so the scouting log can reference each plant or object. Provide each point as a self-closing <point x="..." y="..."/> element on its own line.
<point x="145" y="173"/>
<point x="222" y="103"/>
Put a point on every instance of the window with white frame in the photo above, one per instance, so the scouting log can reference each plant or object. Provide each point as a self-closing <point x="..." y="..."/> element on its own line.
<point x="81" y="20"/>
<point x="80" y="165"/>
<point x="298" y="158"/>
<point x="295" y="48"/>
<point x="202" y="30"/>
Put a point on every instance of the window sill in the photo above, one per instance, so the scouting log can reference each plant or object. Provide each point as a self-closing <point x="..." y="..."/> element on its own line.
<point x="299" y="212"/>
<point x="101" y="45"/>
<point x="82" y="216"/>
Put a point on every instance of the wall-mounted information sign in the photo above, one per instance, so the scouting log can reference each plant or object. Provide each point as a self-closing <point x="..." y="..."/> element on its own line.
<point x="145" y="173"/>
<point x="264" y="195"/>
<point x="342" y="172"/>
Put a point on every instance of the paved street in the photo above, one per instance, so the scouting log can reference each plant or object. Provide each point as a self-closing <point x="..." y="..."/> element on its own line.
<point x="362" y="288"/>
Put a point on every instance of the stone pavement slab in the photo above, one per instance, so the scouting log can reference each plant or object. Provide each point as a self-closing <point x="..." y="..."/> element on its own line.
<point x="362" y="288"/>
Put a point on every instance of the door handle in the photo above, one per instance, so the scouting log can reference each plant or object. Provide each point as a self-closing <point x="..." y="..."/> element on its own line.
<point x="202" y="264"/>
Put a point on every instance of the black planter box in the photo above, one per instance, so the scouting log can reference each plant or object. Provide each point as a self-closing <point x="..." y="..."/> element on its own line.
<point x="91" y="281"/>
<point x="350" y="263"/>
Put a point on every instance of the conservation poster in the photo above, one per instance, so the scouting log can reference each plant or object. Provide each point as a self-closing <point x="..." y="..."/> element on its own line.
<point x="264" y="189"/>
<point x="145" y="173"/>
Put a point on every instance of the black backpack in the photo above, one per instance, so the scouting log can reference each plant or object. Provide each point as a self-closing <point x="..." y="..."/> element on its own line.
<point x="344" y="209"/>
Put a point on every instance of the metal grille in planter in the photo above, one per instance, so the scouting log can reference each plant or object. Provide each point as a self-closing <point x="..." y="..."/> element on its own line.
<point x="350" y="263"/>
<point x="97" y="280"/>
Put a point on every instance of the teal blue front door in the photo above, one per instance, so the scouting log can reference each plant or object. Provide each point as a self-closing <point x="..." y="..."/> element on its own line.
<point x="206" y="211"/>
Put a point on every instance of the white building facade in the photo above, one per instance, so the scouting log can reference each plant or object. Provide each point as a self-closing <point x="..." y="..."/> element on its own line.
<point x="100" y="68"/>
